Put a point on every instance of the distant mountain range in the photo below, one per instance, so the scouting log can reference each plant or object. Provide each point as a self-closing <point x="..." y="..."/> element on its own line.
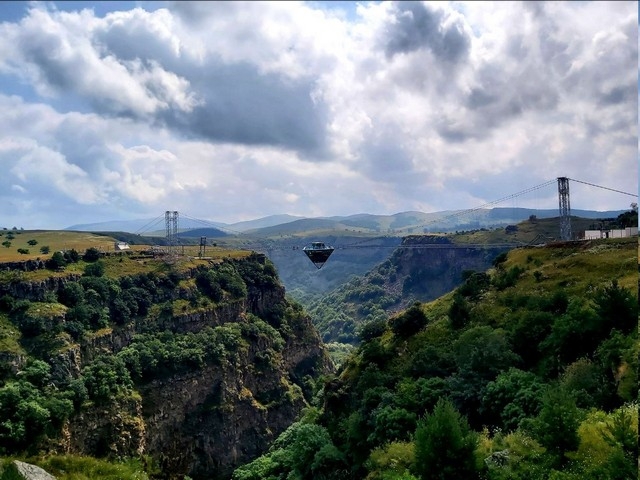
<point x="399" y="223"/>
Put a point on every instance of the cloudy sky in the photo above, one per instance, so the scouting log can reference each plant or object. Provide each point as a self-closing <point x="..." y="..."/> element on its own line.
<point x="235" y="111"/>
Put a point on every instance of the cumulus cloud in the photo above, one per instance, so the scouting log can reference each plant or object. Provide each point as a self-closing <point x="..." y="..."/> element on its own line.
<point x="415" y="25"/>
<point x="242" y="109"/>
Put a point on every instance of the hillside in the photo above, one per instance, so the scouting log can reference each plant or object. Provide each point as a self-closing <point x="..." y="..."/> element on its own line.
<point x="196" y="364"/>
<point x="525" y="371"/>
<point x="398" y="223"/>
<point x="422" y="268"/>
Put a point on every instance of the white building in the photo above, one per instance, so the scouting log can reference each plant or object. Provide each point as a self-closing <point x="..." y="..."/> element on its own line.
<point x="120" y="246"/>
<point x="617" y="233"/>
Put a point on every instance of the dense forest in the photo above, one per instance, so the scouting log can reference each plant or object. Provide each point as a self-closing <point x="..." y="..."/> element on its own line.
<point x="525" y="371"/>
<point x="90" y="362"/>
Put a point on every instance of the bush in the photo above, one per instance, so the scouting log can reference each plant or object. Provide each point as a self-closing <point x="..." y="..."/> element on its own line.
<point x="94" y="269"/>
<point x="207" y="283"/>
<point x="71" y="294"/>
<point x="106" y="377"/>
<point x="410" y="322"/>
<point x="91" y="255"/>
<point x="7" y="303"/>
<point x="71" y="256"/>
<point x="23" y="251"/>
<point x="500" y="259"/>
<point x="45" y="249"/>
<point x="56" y="261"/>
<point x="505" y="279"/>
<point x="372" y="329"/>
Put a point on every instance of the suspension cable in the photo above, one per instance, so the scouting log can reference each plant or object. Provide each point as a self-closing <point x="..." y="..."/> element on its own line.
<point x="604" y="188"/>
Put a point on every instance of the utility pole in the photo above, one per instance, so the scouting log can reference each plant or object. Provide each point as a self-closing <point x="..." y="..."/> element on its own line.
<point x="565" y="208"/>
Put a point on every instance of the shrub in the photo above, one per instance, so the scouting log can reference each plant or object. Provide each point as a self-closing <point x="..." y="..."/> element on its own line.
<point x="106" y="377"/>
<point x="94" y="269"/>
<point x="91" y="254"/>
<point x="372" y="329"/>
<point x="71" y="294"/>
<point x="71" y="256"/>
<point x="56" y="261"/>
<point x="410" y="322"/>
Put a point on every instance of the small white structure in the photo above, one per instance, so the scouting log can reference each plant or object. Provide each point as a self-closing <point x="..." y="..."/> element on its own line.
<point x="617" y="233"/>
<point x="120" y="246"/>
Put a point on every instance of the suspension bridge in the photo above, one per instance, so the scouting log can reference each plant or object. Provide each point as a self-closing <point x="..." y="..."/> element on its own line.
<point x="171" y="220"/>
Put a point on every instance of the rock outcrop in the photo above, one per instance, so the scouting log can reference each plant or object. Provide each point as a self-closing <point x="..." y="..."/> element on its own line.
<point x="25" y="471"/>
<point x="203" y="421"/>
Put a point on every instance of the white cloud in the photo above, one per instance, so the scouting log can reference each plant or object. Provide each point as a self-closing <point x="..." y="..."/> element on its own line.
<point x="236" y="110"/>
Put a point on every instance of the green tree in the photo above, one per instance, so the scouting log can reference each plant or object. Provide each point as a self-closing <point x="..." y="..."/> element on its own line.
<point x="23" y="251"/>
<point x="459" y="312"/>
<point x="71" y="256"/>
<point x="208" y="284"/>
<point x="45" y="249"/>
<point x="105" y="377"/>
<point x="33" y="242"/>
<point x="372" y="329"/>
<point x="409" y="322"/>
<point x="393" y="461"/>
<point x="445" y="445"/>
<point x="56" y="261"/>
<point x="303" y="451"/>
<point x="94" y="269"/>
<point x="556" y="427"/>
<point x="71" y="294"/>
<point x="37" y="373"/>
<point x="513" y="396"/>
<point x="392" y="424"/>
<point x="6" y="244"/>
<point x="91" y="254"/>
<point x="617" y="307"/>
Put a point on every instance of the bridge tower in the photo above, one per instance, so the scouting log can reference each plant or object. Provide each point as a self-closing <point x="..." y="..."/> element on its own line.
<point x="565" y="208"/>
<point x="171" y="224"/>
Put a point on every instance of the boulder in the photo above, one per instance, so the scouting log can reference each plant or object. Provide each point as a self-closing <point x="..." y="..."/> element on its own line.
<point x="25" y="471"/>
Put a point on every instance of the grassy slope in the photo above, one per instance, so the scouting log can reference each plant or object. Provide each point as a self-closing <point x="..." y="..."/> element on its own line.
<point x="55" y="239"/>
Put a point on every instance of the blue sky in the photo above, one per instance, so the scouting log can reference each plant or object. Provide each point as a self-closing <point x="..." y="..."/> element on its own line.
<point x="231" y="111"/>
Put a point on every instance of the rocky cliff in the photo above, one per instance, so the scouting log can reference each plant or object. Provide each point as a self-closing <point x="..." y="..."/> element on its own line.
<point x="422" y="268"/>
<point x="219" y="362"/>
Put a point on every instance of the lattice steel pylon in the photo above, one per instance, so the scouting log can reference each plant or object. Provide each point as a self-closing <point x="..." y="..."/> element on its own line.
<point x="171" y="224"/>
<point x="565" y="208"/>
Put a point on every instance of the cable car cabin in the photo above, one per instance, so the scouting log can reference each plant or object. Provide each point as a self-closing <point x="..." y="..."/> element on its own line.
<point x="318" y="253"/>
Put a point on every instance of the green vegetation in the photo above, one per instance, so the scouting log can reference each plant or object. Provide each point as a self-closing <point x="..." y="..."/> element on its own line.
<point x="415" y="273"/>
<point x="74" y="467"/>
<point x="36" y="399"/>
<point x="514" y="375"/>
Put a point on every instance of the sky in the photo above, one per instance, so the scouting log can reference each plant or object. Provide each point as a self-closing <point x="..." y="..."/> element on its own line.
<point x="232" y="111"/>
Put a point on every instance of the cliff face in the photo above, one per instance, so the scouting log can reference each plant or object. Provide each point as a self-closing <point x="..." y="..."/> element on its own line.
<point x="222" y="410"/>
<point x="423" y="268"/>
<point x="431" y="266"/>
<point x="206" y="423"/>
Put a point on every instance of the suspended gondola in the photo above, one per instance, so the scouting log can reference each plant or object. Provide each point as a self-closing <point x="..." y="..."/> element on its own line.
<point x="318" y="253"/>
